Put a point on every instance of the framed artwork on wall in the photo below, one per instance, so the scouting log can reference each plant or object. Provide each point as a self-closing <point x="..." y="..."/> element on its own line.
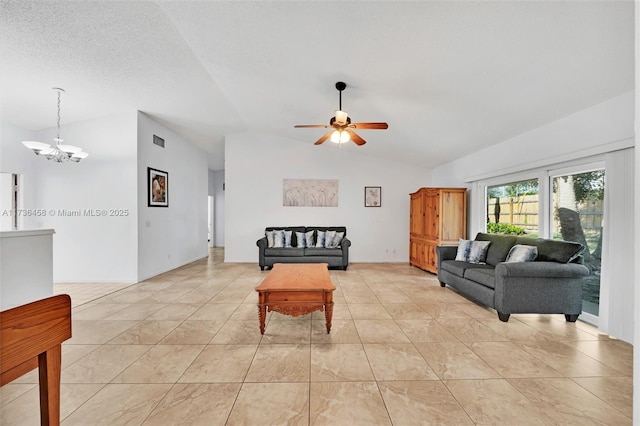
<point x="372" y="196"/>
<point x="310" y="192"/>
<point x="157" y="188"/>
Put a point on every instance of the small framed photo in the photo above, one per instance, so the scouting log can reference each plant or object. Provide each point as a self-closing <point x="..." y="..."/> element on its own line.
<point x="157" y="188"/>
<point x="372" y="196"/>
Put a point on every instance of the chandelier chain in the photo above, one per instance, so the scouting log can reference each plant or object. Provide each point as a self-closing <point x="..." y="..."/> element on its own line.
<point x="59" y="152"/>
<point x="58" y="136"/>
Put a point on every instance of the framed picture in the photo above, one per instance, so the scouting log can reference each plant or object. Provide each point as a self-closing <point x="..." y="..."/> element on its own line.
<point x="310" y="192"/>
<point x="157" y="188"/>
<point x="372" y="196"/>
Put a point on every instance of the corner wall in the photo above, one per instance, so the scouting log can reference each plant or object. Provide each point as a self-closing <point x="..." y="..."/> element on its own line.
<point x="256" y="165"/>
<point x="172" y="236"/>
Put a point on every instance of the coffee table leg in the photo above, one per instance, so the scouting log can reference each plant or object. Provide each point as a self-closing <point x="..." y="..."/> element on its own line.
<point x="328" y="314"/>
<point x="328" y="309"/>
<point x="262" y="311"/>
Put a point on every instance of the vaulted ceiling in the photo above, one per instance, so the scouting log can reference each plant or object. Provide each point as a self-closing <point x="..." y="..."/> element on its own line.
<point x="449" y="77"/>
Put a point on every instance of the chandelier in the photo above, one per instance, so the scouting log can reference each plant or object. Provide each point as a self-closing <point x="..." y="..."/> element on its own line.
<point x="59" y="152"/>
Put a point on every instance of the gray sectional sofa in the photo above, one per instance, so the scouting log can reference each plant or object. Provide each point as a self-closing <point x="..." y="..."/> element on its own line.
<point x="336" y="257"/>
<point x="550" y="284"/>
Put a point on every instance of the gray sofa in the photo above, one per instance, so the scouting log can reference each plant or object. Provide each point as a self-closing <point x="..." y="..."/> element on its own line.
<point x="336" y="257"/>
<point x="551" y="284"/>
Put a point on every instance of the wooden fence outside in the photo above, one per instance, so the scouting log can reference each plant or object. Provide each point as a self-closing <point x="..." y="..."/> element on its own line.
<point x="523" y="211"/>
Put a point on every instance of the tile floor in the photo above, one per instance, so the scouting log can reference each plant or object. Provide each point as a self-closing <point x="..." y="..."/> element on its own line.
<point x="184" y="348"/>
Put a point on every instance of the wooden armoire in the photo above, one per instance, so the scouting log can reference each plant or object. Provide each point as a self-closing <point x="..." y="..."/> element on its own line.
<point x="438" y="217"/>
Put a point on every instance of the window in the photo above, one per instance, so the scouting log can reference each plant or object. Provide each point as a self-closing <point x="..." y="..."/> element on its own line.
<point x="512" y="208"/>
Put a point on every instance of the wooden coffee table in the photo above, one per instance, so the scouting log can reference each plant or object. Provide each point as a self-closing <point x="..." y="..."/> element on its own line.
<point x="296" y="289"/>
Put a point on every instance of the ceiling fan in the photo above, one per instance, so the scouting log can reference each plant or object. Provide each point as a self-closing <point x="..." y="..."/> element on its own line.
<point x="341" y="125"/>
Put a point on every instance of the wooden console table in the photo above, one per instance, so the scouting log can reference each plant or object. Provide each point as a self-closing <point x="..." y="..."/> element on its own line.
<point x="296" y="289"/>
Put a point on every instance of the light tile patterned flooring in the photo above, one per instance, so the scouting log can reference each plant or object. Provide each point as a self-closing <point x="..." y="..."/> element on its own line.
<point x="184" y="348"/>
<point x="86" y="292"/>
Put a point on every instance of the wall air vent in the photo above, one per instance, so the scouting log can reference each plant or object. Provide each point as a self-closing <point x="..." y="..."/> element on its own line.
<point x="157" y="140"/>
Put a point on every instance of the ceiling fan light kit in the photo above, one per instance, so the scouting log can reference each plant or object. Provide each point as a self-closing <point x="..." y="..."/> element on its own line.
<point x="340" y="136"/>
<point x="59" y="152"/>
<point x="341" y="123"/>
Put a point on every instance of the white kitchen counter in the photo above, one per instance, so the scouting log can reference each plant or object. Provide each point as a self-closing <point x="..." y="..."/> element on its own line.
<point x="26" y="266"/>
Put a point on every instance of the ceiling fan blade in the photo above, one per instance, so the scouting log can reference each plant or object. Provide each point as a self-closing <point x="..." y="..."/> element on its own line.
<point x="310" y="126"/>
<point x="379" y="126"/>
<point x="355" y="137"/>
<point x="323" y="138"/>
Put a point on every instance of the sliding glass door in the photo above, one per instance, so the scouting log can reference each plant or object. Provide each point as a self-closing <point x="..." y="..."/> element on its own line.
<point x="577" y="203"/>
<point x="564" y="204"/>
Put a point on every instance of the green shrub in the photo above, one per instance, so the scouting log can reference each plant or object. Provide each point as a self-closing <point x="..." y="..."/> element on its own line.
<point x="504" y="228"/>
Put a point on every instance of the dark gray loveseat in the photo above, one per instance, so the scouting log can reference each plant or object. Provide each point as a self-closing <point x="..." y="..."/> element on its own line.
<point x="337" y="257"/>
<point x="552" y="284"/>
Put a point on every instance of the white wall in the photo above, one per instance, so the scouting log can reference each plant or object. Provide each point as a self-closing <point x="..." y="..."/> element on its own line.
<point x="606" y="129"/>
<point x="601" y="124"/>
<point x="256" y="165"/>
<point x="173" y="236"/>
<point x="86" y="247"/>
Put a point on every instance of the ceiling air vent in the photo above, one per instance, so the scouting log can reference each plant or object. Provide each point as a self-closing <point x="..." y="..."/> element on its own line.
<point x="157" y="140"/>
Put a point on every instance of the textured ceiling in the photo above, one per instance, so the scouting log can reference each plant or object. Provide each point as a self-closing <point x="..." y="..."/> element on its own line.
<point x="449" y="77"/>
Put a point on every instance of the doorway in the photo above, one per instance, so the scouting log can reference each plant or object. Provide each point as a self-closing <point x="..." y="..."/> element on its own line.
<point x="9" y="201"/>
<point x="210" y="222"/>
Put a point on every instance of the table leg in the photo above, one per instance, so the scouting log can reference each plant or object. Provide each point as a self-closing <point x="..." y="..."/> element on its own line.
<point x="262" y="311"/>
<point x="328" y="309"/>
<point x="328" y="314"/>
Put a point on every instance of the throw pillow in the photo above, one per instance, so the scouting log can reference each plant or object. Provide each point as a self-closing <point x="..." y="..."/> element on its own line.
<point x="472" y="251"/>
<point x="478" y="252"/>
<point x="522" y="253"/>
<point x="328" y="239"/>
<point x="287" y="239"/>
<point x="338" y="239"/>
<point x="302" y="240"/>
<point x="463" y="250"/>
<point x="278" y="239"/>
<point x="308" y="236"/>
<point x="269" y="235"/>
<point x="320" y="239"/>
